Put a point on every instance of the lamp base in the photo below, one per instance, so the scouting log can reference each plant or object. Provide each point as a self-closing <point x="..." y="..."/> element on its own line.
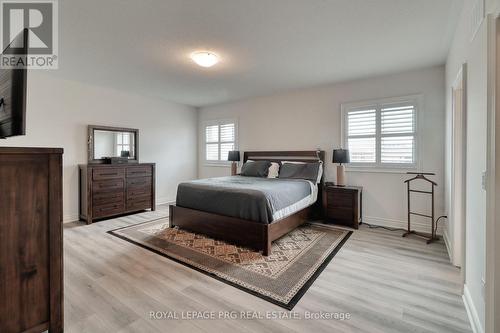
<point x="341" y="178"/>
<point x="233" y="169"/>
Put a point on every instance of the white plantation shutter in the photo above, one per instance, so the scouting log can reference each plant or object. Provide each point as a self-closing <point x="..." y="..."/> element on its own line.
<point x="220" y="138"/>
<point x="397" y="134"/>
<point x="212" y="151"/>
<point x="397" y="149"/>
<point x="227" y="133"/>
<point x="363" y="150"/>
<point x="212" y="142"/>
<point x="383" y="134"/>
<point x="227" y="139"/>
<point x="399" y="119"/>
<point x="361" y="131"/>
<point x="212" y="133"/>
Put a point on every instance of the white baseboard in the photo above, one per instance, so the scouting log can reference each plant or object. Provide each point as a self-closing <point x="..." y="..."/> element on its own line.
<point x="402" y="224"/>
<point x="472" y="312"/>
<point x="165" y="201"/>
<point x="68" y="218"/>
<point x="448" y="246"/>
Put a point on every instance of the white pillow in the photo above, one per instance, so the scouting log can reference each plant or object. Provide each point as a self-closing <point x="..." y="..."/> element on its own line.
<point x="274" y="170"/>
<point x="320" y="171"/>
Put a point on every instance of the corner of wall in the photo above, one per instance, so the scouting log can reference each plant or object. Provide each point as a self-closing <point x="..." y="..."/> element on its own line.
<point x="198" y="115"/>
<point x="471" y="311"/>
<point x="446" y="238"/>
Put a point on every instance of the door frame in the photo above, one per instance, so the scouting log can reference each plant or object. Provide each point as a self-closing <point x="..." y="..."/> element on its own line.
<point x="458" y="170"/>
<point x="492" y="275"/>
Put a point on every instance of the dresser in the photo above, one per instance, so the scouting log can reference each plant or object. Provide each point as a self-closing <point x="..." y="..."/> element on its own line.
<point x="31" y="250"/>
<point x="343" y="205"/>
<point x="108" y="190"/>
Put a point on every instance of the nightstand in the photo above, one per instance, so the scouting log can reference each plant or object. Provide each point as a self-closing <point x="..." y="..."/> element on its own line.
<point x="343" y="205"/>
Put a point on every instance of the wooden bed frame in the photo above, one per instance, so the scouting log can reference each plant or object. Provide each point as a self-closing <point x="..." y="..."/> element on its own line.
<point x="245" y="232"/>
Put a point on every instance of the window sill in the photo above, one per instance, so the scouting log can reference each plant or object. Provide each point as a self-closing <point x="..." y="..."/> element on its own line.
<point x="381" y="170"/>
<point x="217" y="164"/>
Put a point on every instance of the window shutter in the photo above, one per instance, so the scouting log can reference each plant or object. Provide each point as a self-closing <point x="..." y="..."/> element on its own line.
<point x="227" y="140"/>
<point x="398" y="120"/>
<point x="397" y="134"/>
<point x="219" y="141"/>
<point x="227" y="133"/>
<point x="212" y="152"/>
<point x="212" y="133"/>
<point x="361" y="130"/>
<point x="362" y="122"/>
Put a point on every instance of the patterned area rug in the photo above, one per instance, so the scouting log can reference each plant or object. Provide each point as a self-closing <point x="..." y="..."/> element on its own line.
<point x="282" y="278"/>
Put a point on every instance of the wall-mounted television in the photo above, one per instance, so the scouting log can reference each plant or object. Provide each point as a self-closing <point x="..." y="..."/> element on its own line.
<point x="13" y="91"/>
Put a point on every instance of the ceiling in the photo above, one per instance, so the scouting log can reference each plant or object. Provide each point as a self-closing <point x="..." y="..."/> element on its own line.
<point x="265" y="46"/>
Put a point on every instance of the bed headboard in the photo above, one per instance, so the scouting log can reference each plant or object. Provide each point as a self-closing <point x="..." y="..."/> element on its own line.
<point x="277" y="156"/>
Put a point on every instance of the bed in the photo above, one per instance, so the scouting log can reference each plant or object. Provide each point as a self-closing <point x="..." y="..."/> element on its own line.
<point x="248" y="211"/>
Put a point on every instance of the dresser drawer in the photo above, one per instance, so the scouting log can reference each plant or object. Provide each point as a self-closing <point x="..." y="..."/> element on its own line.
<point x="139" y="171"/>
<point x="138" y="191"/>
<point x="139" y="182"/>
<point x="103" y="198"/>
<point x="107" y="185"/>
<point x="108" y="173"/>
<point x="108" y="210"/>
<point x="139" y="203"/>
<point x="340" y="198"/>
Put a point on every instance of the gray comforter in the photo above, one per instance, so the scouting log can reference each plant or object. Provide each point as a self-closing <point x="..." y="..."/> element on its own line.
<point x="250" y="198"/>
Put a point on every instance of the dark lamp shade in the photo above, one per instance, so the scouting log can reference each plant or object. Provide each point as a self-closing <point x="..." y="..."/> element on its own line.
<point x="234" y="156"/>
<point x="341" y="156"/>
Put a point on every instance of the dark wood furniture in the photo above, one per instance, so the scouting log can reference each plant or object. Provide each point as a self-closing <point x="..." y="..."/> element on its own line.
<point x="31" y="252"/>
<point x="245" y="232"/>
<point x="421" y="176"/>
<point x="343" y="205"/>
<point x="113" y="189"/>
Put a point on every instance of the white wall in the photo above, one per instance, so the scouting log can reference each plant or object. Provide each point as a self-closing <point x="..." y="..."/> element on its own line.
<point x="310" y="118"/>
<point x="58" y="112"/>
<point x="464" y="49"/>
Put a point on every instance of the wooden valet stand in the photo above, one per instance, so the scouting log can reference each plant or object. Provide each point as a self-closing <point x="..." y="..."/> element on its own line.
<point x="421" y="176"/>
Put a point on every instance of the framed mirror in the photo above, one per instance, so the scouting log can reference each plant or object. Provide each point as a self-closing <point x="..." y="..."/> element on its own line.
<point x="106" y="142"/>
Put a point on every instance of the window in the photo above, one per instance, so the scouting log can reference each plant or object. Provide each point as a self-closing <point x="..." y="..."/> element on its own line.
<point x="220" y="138"/>
<point x="124" y="143"/>
<point x="382" y="133"/>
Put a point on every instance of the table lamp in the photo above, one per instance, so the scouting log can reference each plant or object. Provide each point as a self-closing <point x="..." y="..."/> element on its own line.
<point x="341" y="156"/>
<point x="233" y="156"/>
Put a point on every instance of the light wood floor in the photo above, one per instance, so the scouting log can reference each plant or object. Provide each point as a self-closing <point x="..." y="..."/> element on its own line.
<point x="387" y="284"/>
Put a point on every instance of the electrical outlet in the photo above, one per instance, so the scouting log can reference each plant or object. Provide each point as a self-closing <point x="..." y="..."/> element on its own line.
<point x="484" y="179"/>
<point x="483" y="287"/>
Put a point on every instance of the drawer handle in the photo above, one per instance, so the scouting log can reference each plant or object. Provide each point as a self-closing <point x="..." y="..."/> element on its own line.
<point x="110" y="207"/>
<point x="110" y="185"/>
<point x="30" y="271"/>
<point x="108" y="196"/>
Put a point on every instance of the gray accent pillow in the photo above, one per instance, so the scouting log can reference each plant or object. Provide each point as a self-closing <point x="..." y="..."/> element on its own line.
<point x="255" y="169"/>
<point x="307" y="171"/>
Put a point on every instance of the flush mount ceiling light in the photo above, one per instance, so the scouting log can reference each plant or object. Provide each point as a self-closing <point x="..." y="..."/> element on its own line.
<point x="205" y="58"/>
